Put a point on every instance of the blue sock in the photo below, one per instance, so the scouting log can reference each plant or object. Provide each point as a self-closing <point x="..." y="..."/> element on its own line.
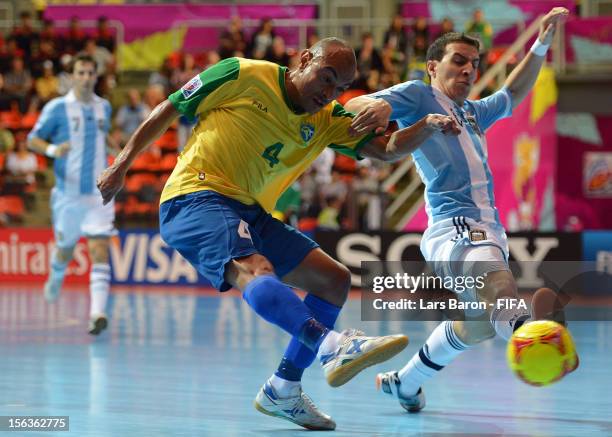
<point x="297" y="356"/>
<point x="278" y="304"/>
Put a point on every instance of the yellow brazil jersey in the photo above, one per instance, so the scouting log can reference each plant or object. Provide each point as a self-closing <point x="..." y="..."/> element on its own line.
<point x="248" y="144"/>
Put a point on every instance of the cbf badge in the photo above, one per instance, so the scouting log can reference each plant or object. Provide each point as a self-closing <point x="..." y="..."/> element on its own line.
<point x="307" y="131"/>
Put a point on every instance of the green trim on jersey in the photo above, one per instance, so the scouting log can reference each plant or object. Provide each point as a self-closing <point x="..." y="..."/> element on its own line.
<point x="187" y="99"/>
<point x="353" y="153"/>
<point x="339" y="111"/>
<point x="283" y="87"/>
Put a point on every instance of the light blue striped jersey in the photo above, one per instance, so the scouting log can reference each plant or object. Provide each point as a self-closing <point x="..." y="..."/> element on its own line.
<point x="85" y="126"/>
<point x="455" y="170"/>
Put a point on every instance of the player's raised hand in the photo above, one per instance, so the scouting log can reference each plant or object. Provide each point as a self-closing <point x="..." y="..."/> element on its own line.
<point x="444" y="124"/>
<point x="374" y="117"/>
<point x="549" y="23"/>
<point x="110" y="182"/>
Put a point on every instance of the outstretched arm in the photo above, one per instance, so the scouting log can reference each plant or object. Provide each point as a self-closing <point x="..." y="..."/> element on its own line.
<point x="399" y="144"/>
<point x="111" y="180"/>
<point x="522" y="78"/>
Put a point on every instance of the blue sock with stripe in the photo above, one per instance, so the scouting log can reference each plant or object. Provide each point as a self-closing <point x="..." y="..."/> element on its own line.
<point x="278" y="304"/>
<point x="297" y="356"/>
<point x="442" y="347"/>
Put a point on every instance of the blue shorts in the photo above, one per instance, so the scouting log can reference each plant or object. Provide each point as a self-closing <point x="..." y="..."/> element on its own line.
<point x="209" y="230"/>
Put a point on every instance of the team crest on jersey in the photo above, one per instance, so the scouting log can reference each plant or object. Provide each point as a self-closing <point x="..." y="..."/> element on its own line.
<point x="478" y="235"/>
<point x="307" y="131"/>
<point x="191" y="87"/>
<point x="471" y="119"/>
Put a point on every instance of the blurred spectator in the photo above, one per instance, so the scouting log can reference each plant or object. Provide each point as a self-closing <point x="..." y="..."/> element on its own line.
<point x="482" y="30"/>
<point x="24" y="34"/>
<point x="322" y="167"/>
<point x="7" y="140"/>
<point x="9" y="52"/>
<point x="163" y="76"/>
<point x="104" y="58"/>
<point x="187" y="71"/>
<point x="49" y="33"/>
<point x="336" y="188"/>
<point x="446" y="26"/>
<point x="41" y="54"/>
<point x="104" y="36"/>
<point x="130" y="115"/>
<point x="329" y="217"/>
<point x="18" y="83"/>
<point x="64" y="77"/>
<point x="420" y="28"/>
<point x="74" y="41"/>
<point x="154" y="95"/>
<point x="277" y="52"/>
<point x="394" y="52"/>
<point x="21" y="166"/>
<point x="262" y="39"/>
<point x="369" y="65"/>
<point x="47" y="86"/>
<point x="232" y="41"/>
<point x="5" y="97"/>
<point x="395" y="37"/>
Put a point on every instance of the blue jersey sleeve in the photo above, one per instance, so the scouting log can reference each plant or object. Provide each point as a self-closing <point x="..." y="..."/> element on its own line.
<point x="492" y="108"/>
<point x="48" y="123"/>
<point x="404" y="98"/>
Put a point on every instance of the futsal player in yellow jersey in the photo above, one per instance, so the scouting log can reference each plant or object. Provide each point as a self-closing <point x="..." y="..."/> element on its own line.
<point x="260" y="126"/>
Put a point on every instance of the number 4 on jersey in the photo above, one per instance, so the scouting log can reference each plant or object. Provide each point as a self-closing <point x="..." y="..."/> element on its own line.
<point x="271" y="153"/>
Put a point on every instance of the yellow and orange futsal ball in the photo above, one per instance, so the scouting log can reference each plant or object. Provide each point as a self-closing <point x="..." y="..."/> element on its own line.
<point x="541" y="352"/>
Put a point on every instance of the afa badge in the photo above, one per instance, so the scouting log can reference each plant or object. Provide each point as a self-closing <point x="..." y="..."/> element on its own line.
<point x="307" y="131"/>
<point x="478" y="235"/>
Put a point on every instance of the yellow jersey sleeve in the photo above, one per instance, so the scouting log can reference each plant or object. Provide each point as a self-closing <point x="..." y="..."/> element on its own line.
<point x="337" y="132"/>
<point x="209" y="89"/>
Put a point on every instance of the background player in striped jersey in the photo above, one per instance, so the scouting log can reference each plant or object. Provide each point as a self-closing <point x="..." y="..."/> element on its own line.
<point x="464" y="235"/>
<point x="260" y="127"/>
<point x="73" y="130"/>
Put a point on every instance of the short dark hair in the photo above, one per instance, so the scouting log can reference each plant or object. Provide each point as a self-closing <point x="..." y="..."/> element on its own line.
<point x="83" y="57"/>
<point x="436" y="50"/>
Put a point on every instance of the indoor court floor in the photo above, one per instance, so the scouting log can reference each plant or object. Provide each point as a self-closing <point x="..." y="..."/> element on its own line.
<point x="187" y="363"/>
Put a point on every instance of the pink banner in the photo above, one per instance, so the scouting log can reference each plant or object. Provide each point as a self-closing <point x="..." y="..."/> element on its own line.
<point x="575" y="205"/>
<point x="522" y="158"/>
<point x="589" y="36"/>
<point x="143" y="20"/>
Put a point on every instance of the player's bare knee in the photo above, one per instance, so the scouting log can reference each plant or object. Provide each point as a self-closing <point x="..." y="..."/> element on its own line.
<point x="338" y="285"/>
<point x="64" y="254"/>
<point x="98" y="250"/>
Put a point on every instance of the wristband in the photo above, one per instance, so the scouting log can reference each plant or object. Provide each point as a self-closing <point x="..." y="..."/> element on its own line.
<point x="538" y="48"/>
<point x="51" y="150"/>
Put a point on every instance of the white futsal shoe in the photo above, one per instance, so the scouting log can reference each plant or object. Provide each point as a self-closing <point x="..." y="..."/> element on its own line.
<point x="389" y="383"/>
<point x="357" y="352"/>
<point x="298" y="408"/>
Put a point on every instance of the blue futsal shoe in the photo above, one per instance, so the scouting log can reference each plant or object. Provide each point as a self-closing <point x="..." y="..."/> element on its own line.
<point x="52" y="288"/>
<point x="389" y="383"/>
<point x="357" y="352"/>
<point x="298" y="408"/>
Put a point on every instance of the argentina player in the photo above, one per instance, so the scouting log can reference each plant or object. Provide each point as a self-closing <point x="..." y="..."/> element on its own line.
<point x="464" y="235"/>
<point x="73" y="130"/>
